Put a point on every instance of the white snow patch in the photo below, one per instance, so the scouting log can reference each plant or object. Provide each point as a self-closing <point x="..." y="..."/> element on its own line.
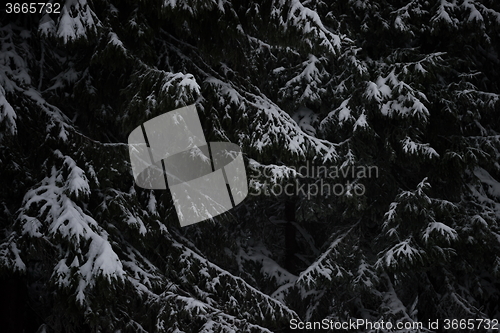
<point x="76" y="20"/>
<point x="446" y="232"/>
<point x="7" y="114"/>
<point x="492" y="185"/>
<point x="414" y="148"/>
<point x="361" y="122"/>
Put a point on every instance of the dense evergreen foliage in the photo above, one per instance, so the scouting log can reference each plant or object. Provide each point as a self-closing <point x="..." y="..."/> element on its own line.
<point x="406" y="89"/>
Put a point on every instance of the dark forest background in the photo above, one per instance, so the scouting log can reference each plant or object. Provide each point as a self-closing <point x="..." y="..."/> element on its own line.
<point x="409" y="87"/>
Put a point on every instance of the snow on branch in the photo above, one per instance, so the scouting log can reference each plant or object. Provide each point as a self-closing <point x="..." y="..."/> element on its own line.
<point x="154" y="91"/>
<point x="76" y="20"/>
<point x="307" y="21"/>
<point x="270" y="125"/>
<point x="405" y="101"/>
<point x="340" y="115"/>
<point x="197" y="7"/>
<point x="491" y="185"/>
<point x="7" y="115"/>
<point x="441" y="231"/>
<point x="419" y="149"/>
<point x="402" y="255"/>
<point x="48" y="212"/>
<point x="14" y="73"/>
<point x="404" y="14"/>
<point x="10" y="254"/>
<point x="326" y="266"/>
<point x="307" y="85"/>
<point x="263" y="306"/>
<point x="443" y="13"/>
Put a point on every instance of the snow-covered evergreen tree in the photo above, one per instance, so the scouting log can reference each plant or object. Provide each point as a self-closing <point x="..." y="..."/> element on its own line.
<point x="409" y="88"/>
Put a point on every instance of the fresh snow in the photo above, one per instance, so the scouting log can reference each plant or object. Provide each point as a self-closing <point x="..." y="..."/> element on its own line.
<point x="71" y="26"/>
